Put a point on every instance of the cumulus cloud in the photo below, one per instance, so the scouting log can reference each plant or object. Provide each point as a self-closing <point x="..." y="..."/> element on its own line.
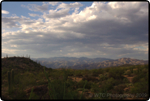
<point x="33" y="15"/>
<point x="34" y="7"/>
<point x="71" y="5"/>
<point x="5" y="12"/>
<point x="15" y="21"/>
<point x="56" y="14"/>
<point x="113" y="29"/>
<point x="53" y="3"/>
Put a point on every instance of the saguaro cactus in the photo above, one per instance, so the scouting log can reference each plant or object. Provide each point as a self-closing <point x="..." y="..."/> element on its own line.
<point x="12" y="77"/>
<point x="9" y="81"/>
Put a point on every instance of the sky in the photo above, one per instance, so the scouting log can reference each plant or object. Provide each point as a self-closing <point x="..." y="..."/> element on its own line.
<point x="75" y="29"/>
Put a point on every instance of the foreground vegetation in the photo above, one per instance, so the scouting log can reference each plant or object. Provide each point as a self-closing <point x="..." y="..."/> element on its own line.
<point x="30" y="80"/>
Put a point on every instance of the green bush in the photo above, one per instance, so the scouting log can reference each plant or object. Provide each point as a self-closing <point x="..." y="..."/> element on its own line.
<point x="118" y="89"/>
<point x="103" y="77"/>
<point x="135" y="72"/>
<point x="81" y="83"/>
<point x="90" y="78"/>
<point x="96" y="72"/>
<point x="140" y="76"/>
<point x="95" y="88"/>
<point x="19" y="94"/>
<point x="70" y="84"/>
<point x="116" y="73"/>
<point x="135" y="79"/>
<point x="131" y="69"/>
<point x="125" y="80"/>
<point x="139" y="87"/>
<point x="128" y="72"/>
<point x="80" y="89"/>
<point x="78" y="74"/>
<point x="145" y="70"/>
<point x="107" y="69"/>
<point x="33" y="95"/>
<point x="107" y="85"/>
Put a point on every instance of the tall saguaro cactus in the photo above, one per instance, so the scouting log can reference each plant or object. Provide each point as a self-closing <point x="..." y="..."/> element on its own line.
<point x="10" y="79"/>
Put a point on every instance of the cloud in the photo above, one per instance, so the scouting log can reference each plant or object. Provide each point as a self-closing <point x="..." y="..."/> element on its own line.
<point x="34" y="7"/>
<point x="5" y="12"/>
<point x="15" y="21"/>
<point x="33" y="15"/>
<point x="56" y="14"/>
<point x="71" y="5"/>
<point x="53" y="3"/>
<point x="111" y="30"/>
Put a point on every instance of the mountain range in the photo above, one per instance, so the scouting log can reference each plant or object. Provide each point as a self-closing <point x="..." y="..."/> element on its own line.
<point x="86" y="63"/>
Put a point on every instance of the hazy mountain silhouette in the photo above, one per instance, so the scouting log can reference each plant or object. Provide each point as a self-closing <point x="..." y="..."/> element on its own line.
<point x="86" y="63"/>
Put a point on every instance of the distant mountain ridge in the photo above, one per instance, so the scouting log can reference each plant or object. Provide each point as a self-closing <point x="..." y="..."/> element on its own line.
<point x="86" y="63"/>
<point x="111" y="63"/>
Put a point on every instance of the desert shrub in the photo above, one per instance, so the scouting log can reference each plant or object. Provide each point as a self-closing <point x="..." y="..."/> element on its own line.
<point x="118" y="89"/>
<point x="49" y="69"/>
<point x="139" y="69"/>
<point x="139" y="87"/>
<point x="59" y="90"/>
<point x="135" y="79"/>
<point x="56" y="74"/>
<point x="87" y="75"/>
<point x="81" y="83"/>
<point x="90" y="78"/>
<point x="4" y="71"/>
<point x="116" y="73"/>
<point x="65" y="74"/>
<point x="106" y="69"/>
<point x="103" y="77"/>
<point x="107" y="85"/>
<point x="34" y="96"/>
<point x="79" y="89"/>
<point x="145" y="70"/>
<point x="70" y="84"/>
<point x="131" y="69"/>
<point x="135" y="72"/>
<point x="100" y="71"/>
<point x="95" y="88"/>
<point x="117" y="81"/>
<point x="28" y="79"/>
<point x="19" y="94"/>
<point x="78" y="74"/>
<point x="128" y="72"/>
<point x="70" y="73"/>
<point x="85" y="71"/>
<point x="125" y="80"/>
<point x="141" y="75"/>
<point x="95" y="72"/>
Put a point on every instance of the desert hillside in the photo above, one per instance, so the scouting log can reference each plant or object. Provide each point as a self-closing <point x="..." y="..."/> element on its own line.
<point x="22" y="78"/>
